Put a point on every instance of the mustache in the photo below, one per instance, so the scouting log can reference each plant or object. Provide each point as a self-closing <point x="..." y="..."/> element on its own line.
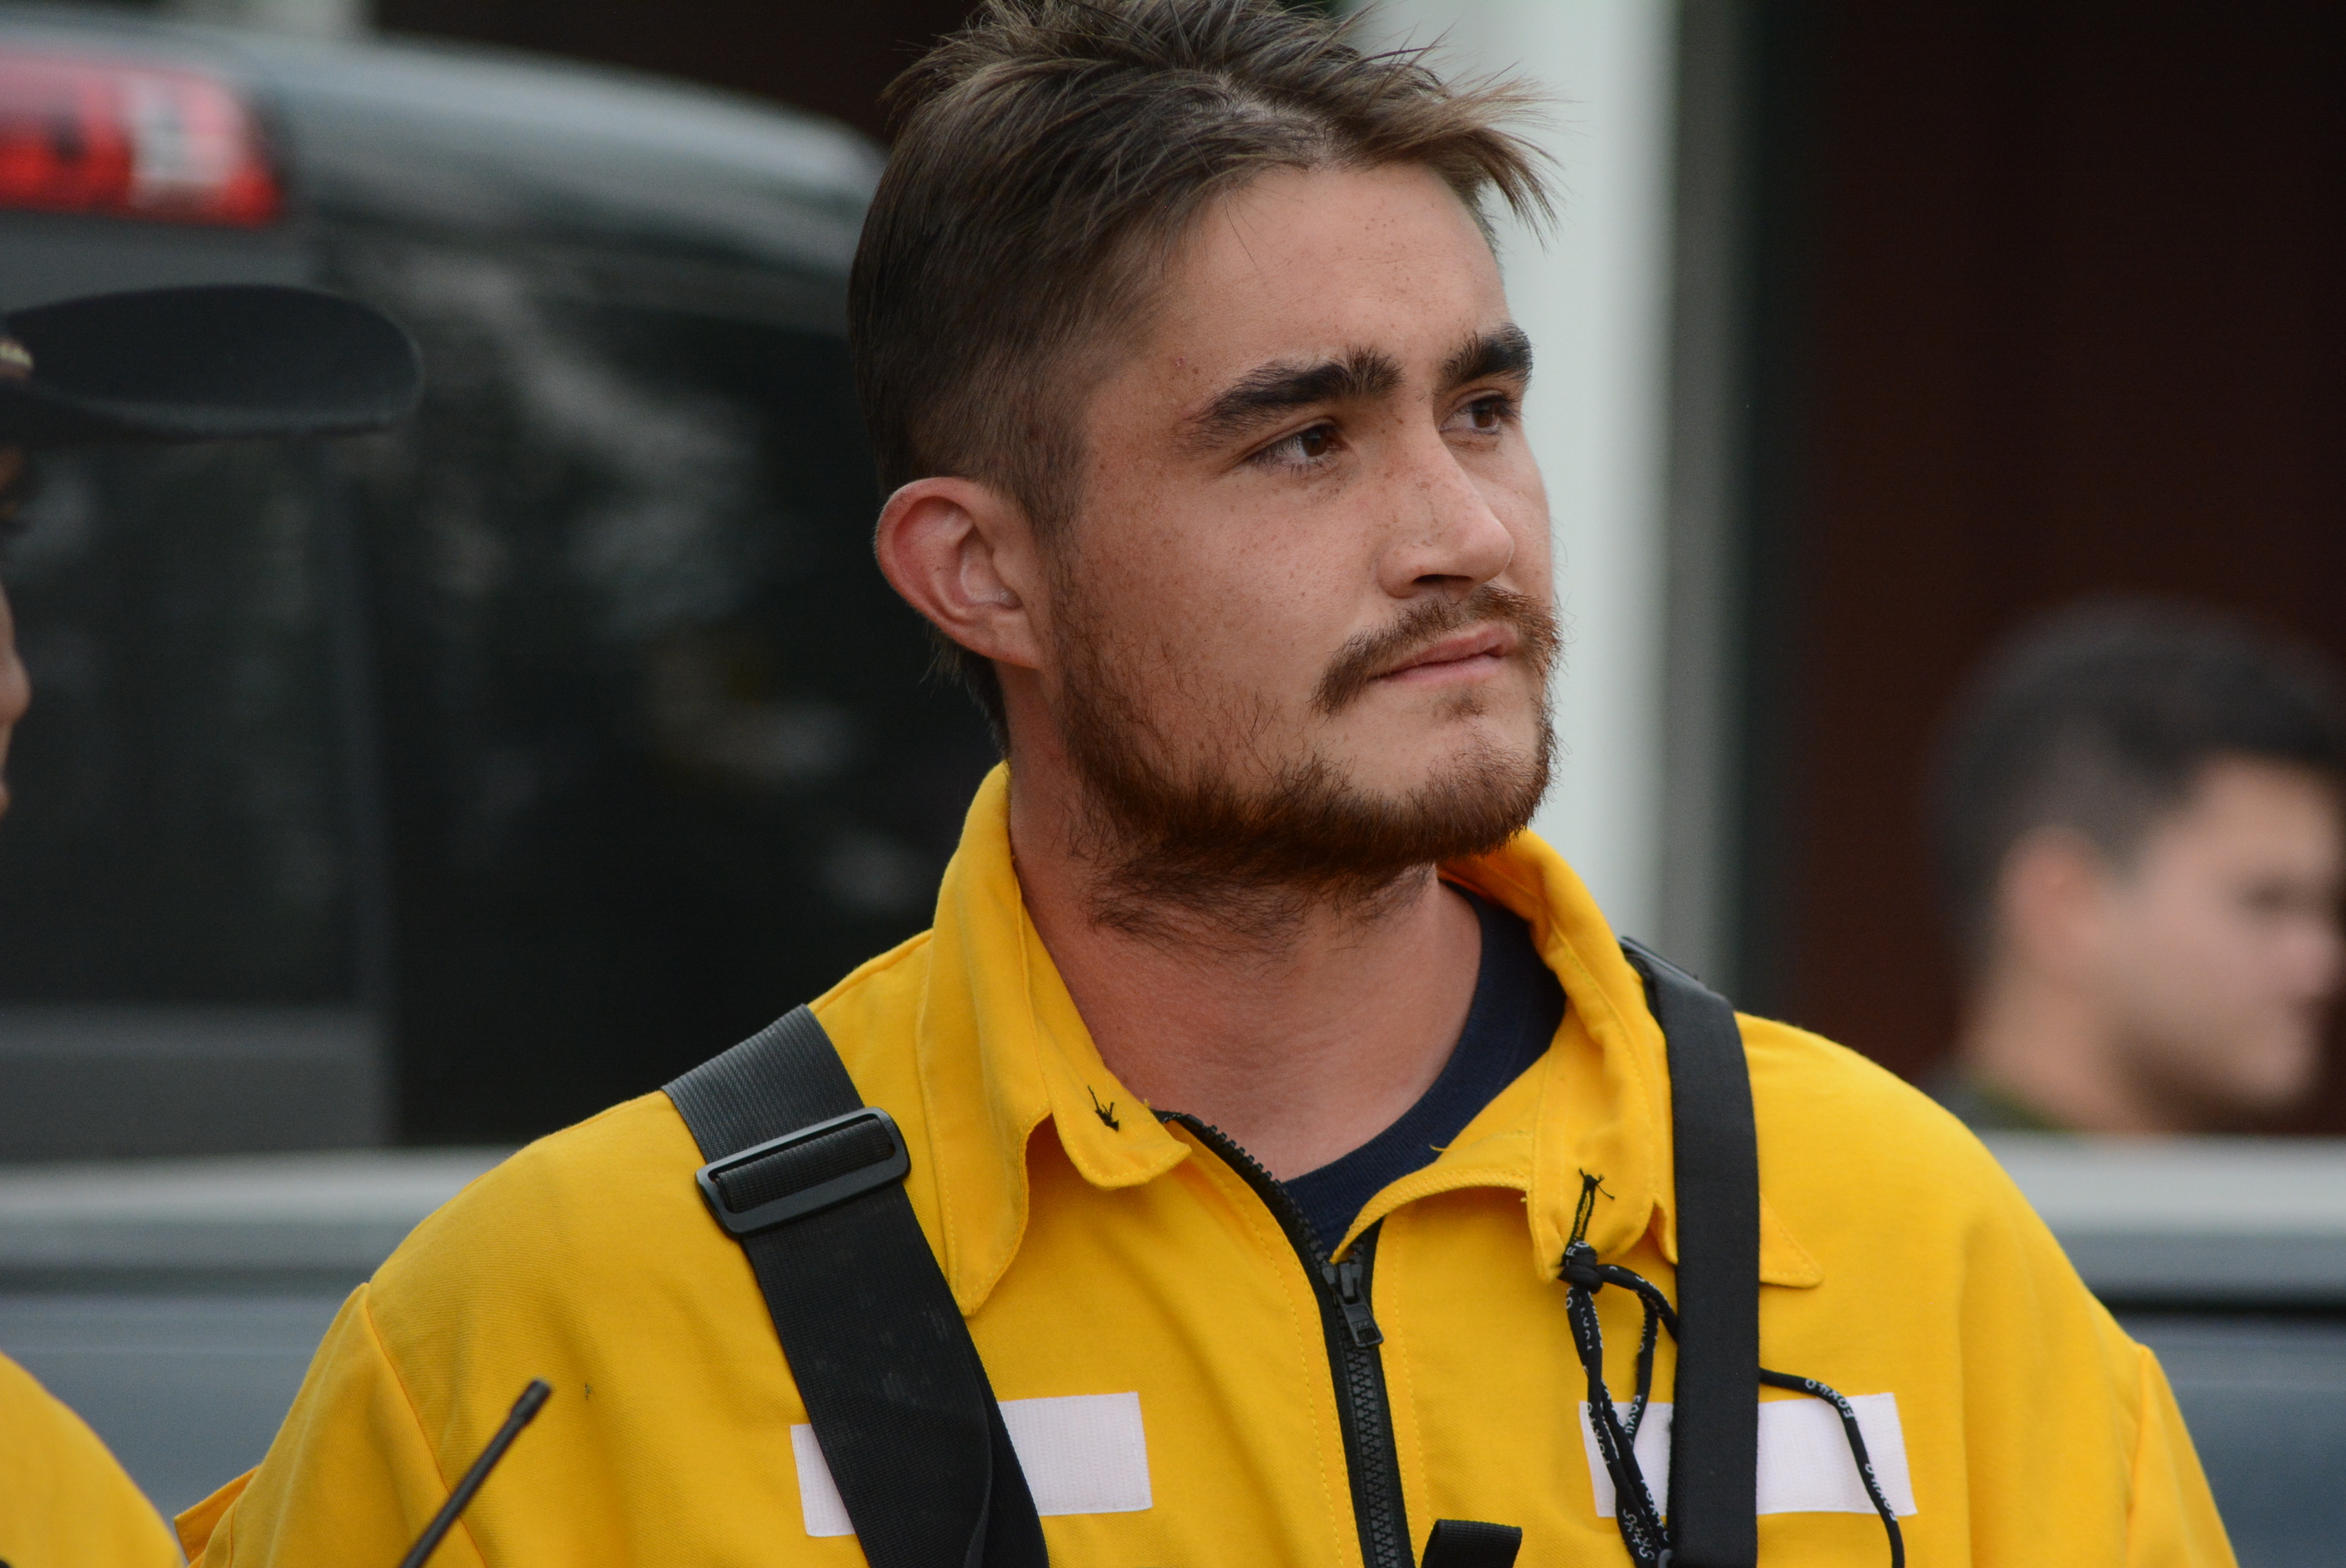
<point x="1364" y="657"/>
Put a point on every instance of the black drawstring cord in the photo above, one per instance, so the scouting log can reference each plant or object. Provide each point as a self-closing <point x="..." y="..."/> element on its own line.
<point x="1633" y="1511"/>
<point x="1816" y="1389"/>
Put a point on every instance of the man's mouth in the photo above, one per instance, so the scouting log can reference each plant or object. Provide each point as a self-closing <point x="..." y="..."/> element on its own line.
<point x="1444" y="643"/>
<point x="1463" y="656"/>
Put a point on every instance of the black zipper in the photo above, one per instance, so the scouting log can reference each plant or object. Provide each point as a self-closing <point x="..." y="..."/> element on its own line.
<point x="1362" y="1408"/>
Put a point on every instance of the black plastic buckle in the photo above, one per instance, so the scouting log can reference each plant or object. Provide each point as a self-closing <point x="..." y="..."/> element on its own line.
<point x="809" y="1200"/>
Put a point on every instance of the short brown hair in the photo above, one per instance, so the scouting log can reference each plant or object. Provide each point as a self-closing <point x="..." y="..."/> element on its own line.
<point x="2101" y="717"/>
<point x="1050" y="155"/>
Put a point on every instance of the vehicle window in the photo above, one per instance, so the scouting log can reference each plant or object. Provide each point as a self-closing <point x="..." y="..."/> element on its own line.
<point x="182" y="886"/>
<point x="522" y="757"/>
<point x="659" y="759"/>
<point x="180" y="829"/>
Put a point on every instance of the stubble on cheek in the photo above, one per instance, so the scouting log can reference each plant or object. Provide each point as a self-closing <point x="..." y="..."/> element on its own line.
<point x="1209" y="809"/>
<point x="1466" y="705"/>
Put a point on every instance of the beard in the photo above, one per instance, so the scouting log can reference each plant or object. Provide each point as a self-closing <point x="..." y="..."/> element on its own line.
<point x="1250" y="854"/>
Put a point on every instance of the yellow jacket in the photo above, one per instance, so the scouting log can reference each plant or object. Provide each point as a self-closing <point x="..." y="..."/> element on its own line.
<point x="63" y="1502"/>
<point x="1130" y="1284"/>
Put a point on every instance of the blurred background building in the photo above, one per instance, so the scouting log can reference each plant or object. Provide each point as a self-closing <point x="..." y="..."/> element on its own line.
<point x="1869" y="332"/>
<point x="440" y="787"/>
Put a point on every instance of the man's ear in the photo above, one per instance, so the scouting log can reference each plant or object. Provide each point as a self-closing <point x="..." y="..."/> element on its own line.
<point x="963" y="555"/>
<point x="2054" y="899"/>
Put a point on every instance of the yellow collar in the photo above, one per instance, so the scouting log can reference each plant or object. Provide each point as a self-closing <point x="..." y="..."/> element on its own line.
<point x="1001" y="1048"/>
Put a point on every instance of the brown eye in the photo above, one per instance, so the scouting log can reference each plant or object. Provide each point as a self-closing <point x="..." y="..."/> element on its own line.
<point x="1487" y="415"/>
<point x="1305" y="449"/>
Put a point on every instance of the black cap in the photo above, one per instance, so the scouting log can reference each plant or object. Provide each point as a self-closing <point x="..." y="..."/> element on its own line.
<point x="215" y="363"/>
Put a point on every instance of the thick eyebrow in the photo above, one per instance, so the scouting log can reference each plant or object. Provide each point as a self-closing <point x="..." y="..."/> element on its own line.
<point x="1502" y="352"/>
<point x="1268" y="391"/>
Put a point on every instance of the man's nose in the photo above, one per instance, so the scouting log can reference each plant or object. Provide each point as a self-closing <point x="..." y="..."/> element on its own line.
<point x="1445" y="536"/>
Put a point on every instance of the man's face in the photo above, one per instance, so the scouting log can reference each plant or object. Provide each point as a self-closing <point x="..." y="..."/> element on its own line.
<point x="1308" y="567"/>
<point x="2221" y="944"/>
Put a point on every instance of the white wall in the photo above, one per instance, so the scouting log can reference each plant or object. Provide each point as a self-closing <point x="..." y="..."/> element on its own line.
<point x="1596" y="299"/>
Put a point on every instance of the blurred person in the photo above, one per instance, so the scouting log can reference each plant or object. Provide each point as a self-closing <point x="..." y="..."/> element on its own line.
<point x="2140" y="829"/>
<point x="162" y="365"/>
<point x="1273" y="1107"/>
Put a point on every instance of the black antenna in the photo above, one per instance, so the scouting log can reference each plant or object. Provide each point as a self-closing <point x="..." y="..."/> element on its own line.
<point x="533" y="1399"/>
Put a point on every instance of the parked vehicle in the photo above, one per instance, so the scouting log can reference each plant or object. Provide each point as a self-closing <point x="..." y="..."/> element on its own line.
<point x="448" y="784"/>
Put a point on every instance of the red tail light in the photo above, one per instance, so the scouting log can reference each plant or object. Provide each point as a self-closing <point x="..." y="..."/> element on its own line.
<point x="84" y="134"/>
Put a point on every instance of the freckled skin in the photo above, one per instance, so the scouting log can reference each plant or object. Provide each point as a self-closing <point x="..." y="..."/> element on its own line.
<point x="1222" y="579"/>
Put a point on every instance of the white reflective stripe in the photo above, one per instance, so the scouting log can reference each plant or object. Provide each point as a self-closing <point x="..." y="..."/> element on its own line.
<point x="1805" y="1465"/>
<point x="1652" y="1448"/>
<point x="1084" y="1453"/>
<point x="819" y="1502"/>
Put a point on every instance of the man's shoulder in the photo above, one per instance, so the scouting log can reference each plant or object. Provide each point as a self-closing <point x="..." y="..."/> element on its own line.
<point x="1897" y="1201"/>
<point x="870" y="1014"/>
<point x="607" y="1196"/>
<point x="591" y="1197"/>
<point x="1853" y="1130"/>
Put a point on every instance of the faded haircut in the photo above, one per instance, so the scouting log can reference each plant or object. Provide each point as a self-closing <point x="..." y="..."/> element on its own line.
<point x="2101" y="718"/>
<point x="1048" y="160"/>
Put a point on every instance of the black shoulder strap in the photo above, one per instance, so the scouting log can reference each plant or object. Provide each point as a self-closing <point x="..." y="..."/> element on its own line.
<point x="810" y="1181"/>
<point x="1715" y="1416"/>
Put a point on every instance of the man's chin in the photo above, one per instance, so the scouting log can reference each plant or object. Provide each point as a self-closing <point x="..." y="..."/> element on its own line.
<point x="1372" y="792"/>
<point x="1316" y="833"/>
<point x="1400" y="763"/>
<point x="2243" y="1088"/>
<point x="1486" y="787"/>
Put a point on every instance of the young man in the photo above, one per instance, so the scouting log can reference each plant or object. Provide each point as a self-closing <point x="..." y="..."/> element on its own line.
<point x="161" y="365"/>
<point x="1259" y="1069"/>
<point x="2141" y="830"/>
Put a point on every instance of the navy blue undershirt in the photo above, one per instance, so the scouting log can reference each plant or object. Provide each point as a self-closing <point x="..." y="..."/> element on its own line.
<point x="1516" y="1009"/>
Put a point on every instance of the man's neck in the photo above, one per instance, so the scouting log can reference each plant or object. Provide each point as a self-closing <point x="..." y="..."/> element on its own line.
<point x="2058" y="1052"/>
<point x="1302" y="1044"/>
